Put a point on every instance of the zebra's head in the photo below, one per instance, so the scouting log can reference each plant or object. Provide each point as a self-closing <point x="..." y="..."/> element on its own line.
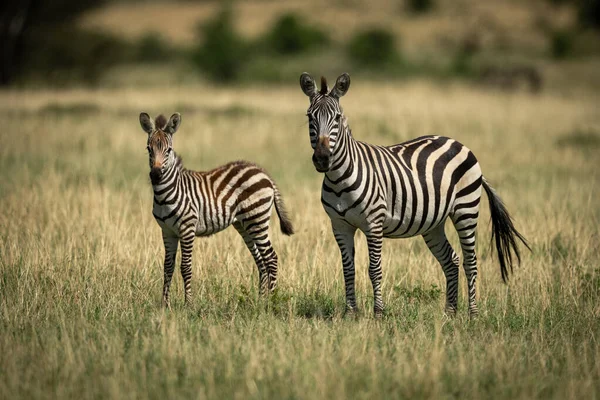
<point x="160" y="143"/>
<point x="325" y="117"/>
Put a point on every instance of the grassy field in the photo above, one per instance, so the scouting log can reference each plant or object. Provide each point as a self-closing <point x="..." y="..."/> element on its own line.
<point x="81" y="256"/>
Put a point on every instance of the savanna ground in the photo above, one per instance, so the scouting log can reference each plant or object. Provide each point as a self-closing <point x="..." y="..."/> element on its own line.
<point x="81" y="256"/>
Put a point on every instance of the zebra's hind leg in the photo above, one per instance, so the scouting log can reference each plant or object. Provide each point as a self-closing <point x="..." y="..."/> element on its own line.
<point x="269" y="257"/>
<point x="438" y="245"/>
<point x="263" y="278"/>
<point x="171" y="243"/>
<point x="466" y="226"/>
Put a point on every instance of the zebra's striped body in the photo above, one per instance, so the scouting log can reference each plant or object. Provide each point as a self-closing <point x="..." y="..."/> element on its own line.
<point x="400" y="191"/>
<point x="190" y="203"/>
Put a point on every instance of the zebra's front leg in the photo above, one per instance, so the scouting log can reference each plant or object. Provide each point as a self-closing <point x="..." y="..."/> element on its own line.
<point x="344" y="236"/>
<point x="171" y="243"/>
<point x="187" y="245"/>
<point x="375" y="243"/>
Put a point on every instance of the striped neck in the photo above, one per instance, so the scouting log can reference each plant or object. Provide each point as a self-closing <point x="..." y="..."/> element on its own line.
<point x="342" y="164"/>
<point x="170" y="180"/>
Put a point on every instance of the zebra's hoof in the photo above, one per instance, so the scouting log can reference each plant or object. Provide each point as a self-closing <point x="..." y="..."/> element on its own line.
<point x="378" y="314"/>
<point x="450" y="312"/>
<point x="166" y="304"/>
<point x="351" y="312"/>
<point x="473" y="314"/>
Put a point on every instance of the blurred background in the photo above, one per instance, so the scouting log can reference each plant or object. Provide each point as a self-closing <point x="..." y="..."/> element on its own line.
<point x="532" y="45"/>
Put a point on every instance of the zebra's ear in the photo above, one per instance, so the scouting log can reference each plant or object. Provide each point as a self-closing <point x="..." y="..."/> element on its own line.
<point x="146" y="123"/>
<point x="173" y="123"/>
<point x="341" y="86"/>
<point x="307" y="83"/>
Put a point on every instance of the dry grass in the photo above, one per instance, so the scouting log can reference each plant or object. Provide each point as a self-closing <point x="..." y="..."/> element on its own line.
<point x="80" y="255"/>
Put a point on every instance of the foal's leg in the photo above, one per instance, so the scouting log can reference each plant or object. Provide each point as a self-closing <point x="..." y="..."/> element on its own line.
<point x="259" y="232"/>
<point x="263" y="277"/>
<point x="171" y="243"/>
<point x="187" y="245"/>
<point x="438" y="245"/>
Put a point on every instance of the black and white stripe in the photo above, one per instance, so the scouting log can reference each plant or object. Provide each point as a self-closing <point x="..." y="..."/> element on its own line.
<point x="400" y="191"/>
<point x="190" y="203"/>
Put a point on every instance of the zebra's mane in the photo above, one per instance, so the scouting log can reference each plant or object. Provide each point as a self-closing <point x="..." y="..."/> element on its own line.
<point x="160" y="122"/>
<point x="178" y="162"/>
<point x="324" y="87"/>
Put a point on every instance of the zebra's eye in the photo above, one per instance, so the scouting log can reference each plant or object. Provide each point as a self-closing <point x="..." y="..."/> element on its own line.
<point x="338" y="116"/>
<point x="169" y="150"/>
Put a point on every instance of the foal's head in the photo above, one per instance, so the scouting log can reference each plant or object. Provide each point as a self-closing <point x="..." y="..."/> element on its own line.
<point x="160" y="143"/>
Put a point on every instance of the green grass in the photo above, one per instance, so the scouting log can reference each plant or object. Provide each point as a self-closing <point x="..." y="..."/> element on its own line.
<point x="81" y="256"/>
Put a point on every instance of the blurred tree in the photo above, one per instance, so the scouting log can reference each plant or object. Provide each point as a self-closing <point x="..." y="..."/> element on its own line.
<point x="14" y="18"/>
<point x="65" y="53"/>
<point x="290" y="35"/>
<point x="469" y="46"/>
<point x="152" y="48"/>
<point x="372" y="47"/>
<point x="21" y="22"/>
<point x="589" y="13"/>
<point x="561" y="43"/>
<point x="419" y="6"/>
<point x="222" y="52"/>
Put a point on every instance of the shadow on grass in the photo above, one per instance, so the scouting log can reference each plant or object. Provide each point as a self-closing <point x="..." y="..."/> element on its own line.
<point x="316" y="305"/>
<point x="74" y="109"/>
<point x="586" y="140"/>
<point x="244" y="302"/>
<point x="86" y="109"/>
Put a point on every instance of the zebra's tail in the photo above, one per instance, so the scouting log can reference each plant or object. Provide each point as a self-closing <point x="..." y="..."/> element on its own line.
<point x="504" y="232"/>
<point x="284" y="220"/>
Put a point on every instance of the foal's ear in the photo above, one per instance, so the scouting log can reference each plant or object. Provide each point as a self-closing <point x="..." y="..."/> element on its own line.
<point x="146" y="123"/>
<point x="341" y="86"/>
<point x="173" y="123"/>
<point x="307" y="83"/>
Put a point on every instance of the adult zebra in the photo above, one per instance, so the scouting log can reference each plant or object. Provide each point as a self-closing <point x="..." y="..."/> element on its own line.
<point x="400" y="191"/>
<point x="189" y="204"/>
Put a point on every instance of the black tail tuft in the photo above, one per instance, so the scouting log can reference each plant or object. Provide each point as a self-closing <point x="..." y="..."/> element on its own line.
<point x="284" y="220"/>
<point x="504" y="232"/>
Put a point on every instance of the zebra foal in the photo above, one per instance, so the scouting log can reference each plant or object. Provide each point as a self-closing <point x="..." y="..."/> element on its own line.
<point x="192" y="203"/>
<point x="400" y="191"/>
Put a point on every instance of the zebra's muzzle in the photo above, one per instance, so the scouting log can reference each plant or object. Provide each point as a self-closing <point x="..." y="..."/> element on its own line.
<point x="322" y="156"/>
<point x="155" y="175"/>
<point x="321" y="162"/>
